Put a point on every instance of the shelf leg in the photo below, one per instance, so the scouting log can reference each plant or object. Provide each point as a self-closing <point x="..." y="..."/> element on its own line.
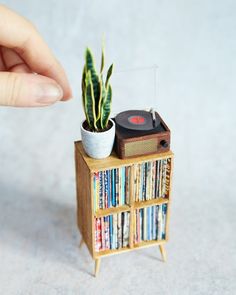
<point x="97" y="265"/>
<point x="163" y="252"/>
<point x="81" y="242"/>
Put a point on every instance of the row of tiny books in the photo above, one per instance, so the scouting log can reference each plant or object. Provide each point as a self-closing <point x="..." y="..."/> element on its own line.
<point x="112" y="232"/>
<point x="150" y="223"/>
<point x="151" y="180"/>
<point x="111" y="187"/>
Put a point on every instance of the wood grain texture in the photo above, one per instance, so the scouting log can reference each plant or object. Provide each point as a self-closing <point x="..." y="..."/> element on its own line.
<point x="97" y="266"/>
<point x="169" y="197"/>
<point x="84" y="201"/>
<point x="163" y="252"/>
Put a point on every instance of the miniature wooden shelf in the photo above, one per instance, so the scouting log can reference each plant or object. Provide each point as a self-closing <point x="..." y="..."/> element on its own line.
<point x="85" y="169"/>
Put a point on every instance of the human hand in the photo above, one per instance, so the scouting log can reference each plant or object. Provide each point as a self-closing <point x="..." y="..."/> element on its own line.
<point x="29" y="73"/>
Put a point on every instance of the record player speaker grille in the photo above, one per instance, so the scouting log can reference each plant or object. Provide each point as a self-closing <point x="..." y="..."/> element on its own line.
<point x="140" y="147"/>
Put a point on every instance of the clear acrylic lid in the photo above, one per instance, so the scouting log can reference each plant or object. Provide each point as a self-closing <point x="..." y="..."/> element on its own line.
<point x="134" y="89"/>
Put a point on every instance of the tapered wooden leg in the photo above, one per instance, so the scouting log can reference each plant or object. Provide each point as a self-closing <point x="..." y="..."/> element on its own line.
<point x="163" y="252"/>
<point x="97" y="265"/>
<point x="81" y="243"/>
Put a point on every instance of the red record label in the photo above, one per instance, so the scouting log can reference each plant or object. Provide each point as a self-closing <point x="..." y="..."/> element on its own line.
<point x="137" y="120"/>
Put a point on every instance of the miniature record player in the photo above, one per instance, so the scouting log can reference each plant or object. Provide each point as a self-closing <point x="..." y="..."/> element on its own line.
<point x="140" y="132"/>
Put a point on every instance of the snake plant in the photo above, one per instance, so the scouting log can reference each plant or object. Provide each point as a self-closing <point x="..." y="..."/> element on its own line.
<point x="96" y="93"/>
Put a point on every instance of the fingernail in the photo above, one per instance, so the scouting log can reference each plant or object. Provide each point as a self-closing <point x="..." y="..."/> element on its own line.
<point x="48" y="93"/>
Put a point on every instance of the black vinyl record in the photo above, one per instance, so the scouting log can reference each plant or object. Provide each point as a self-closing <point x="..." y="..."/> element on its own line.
<point x="138" y="120"/>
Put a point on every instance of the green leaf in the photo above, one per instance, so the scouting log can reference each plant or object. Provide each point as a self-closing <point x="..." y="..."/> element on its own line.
<point x="98" y="122"/>
<point x="103" y="97"/>
<point x="89" y="60"/>
<point x="102" y="59"/>
<point x="89" y="102"/>
<point x="90" y="66"/>
<point x="106" y="107"/>
<point x="109" y="73"/>
<point x="83" y="85"/>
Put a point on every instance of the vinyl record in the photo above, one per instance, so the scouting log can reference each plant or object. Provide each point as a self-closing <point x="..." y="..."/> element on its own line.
<point x="137" y="120"/>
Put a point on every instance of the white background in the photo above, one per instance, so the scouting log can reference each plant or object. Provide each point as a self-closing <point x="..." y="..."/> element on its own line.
<point x="194" y="45"/>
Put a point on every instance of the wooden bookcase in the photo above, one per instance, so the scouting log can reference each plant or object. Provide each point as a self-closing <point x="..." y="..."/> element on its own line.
<point x="86" y="213"/>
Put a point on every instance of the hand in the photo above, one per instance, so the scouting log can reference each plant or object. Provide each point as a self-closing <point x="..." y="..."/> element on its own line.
<point x="29" y="73"/>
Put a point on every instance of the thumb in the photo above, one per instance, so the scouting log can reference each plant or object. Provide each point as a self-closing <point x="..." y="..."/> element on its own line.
<point x="28" y="90"/>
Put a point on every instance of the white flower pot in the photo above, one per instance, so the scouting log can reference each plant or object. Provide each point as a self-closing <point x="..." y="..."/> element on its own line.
<point x="98" y="145"/>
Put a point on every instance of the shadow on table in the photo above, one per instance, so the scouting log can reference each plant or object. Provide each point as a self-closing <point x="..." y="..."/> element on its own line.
<point x="42" y="225"/>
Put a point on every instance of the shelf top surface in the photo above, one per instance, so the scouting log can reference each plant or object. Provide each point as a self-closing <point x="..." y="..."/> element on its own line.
<point x="113" y="161"/>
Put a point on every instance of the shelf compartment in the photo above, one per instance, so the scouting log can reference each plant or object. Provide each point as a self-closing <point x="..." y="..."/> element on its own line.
<point x="112" y="232"/>
<point x="111" y="188"/>
<point x="150" y="223"/>
<point x="151" y="179"/>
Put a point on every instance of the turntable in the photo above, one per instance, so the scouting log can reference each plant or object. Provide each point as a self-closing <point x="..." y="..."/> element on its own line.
<point x="139" y="133"/>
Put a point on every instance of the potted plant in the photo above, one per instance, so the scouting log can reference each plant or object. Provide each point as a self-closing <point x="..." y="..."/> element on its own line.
<point x="97" y="130"/>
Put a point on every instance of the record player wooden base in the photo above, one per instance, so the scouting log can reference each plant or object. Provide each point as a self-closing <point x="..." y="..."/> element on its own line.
<point x="132" y="143"/>
<point x="86" y="215"/>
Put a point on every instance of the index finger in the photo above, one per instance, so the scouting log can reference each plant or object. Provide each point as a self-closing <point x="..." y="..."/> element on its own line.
<point x="19" y="34"/>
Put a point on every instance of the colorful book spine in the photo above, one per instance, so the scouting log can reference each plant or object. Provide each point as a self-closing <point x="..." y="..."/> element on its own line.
<point x="99" y="234"/>
<point x="154" y="222"/>
<point x="159" y="224"/>
<point x="117" y="187"/>
<point x="164" y="210"/>
<point x="107" y="235"/>
<point x="103" y="234"/>
<point x="150" y="223"/>
<point x="127" y="185"/>
<point x="115" y="241"/>
<point x="113" y="187"/>
<point x="108" y="189"/>
<point x="144" y="223"/>
<point x="126" y="229"/>
<point x="119" y="231"/>
<point x="148" y="181"/>
<point x="138" y="220"/>
<point x="157" y="179"/>
<point x="100" y="190"/>
<point x="112" y="232"/>
<point x="122" y="184"/>
<point x="160" y="179"/>
<point x="153" y="164"/>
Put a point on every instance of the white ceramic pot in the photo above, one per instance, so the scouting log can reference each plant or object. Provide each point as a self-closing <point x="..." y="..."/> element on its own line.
<point x="98" y="145"/>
